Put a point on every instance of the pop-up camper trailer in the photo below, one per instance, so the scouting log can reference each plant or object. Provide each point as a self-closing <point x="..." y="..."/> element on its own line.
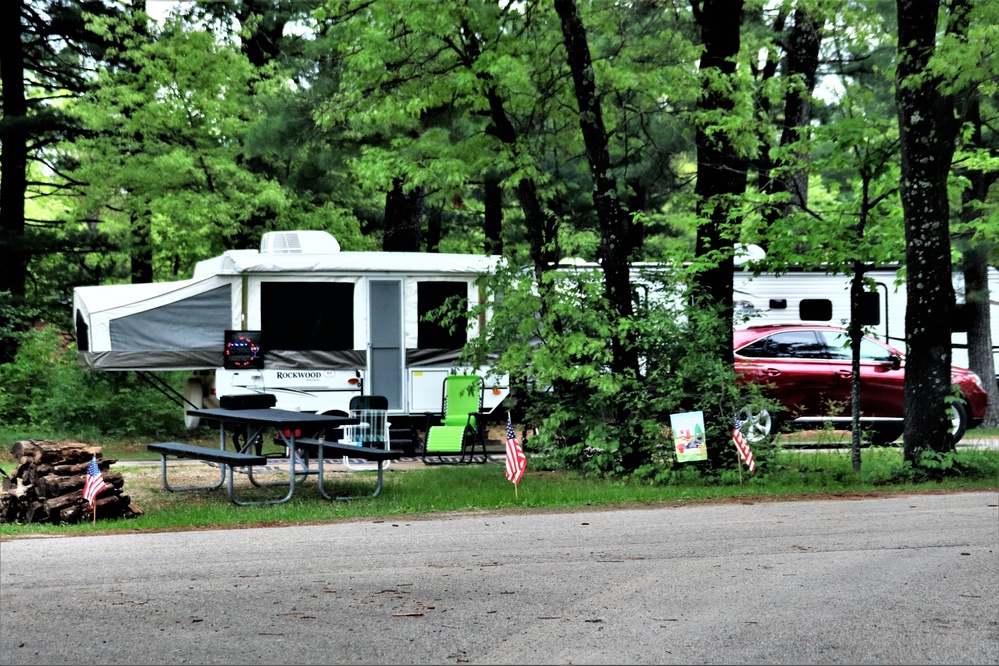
<point x="299" y="319"/>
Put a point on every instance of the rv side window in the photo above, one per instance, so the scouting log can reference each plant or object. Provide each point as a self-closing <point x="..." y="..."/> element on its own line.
<point x="433" y="334"/>
<point x="815" y="309"/>
<point x="870" y="308"/>
<point x="301" y="316"/>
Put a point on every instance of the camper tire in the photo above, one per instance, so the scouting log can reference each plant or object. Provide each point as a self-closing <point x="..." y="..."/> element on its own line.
<point x="194" y="394"/>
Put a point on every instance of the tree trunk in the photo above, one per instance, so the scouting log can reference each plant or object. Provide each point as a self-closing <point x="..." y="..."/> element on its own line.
<point x="615" y="236"/>
<point x="141" y="254"/>
<point x="980" y="357"/>
<point x="856" y="334"/>
<point x="492" y="201"/>
<point x="615" y="245"/>
<point x="542" y="226"/>
<point x="262" y="45"/>
<point x="13" y="163"/>
<point x="927" y="131"/>
<point x="721" y="175"/>
<point x="976" y="266"/>
<point x="721" y="172"/>
<point x="403" y="219"/>
<point x="803" y="63"/>
<point x="801" y="67"/>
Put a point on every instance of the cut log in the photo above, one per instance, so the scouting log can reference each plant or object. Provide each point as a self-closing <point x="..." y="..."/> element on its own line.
<point x="23" y="448"/>
<point x="112" y="506"/>
<point x="47" y="485"/>
<point x="52" y="485"/>
<point x="36" y="513"/>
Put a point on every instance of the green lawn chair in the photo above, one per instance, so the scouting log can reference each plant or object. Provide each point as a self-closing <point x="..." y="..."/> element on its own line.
<point x="460" y="426"/>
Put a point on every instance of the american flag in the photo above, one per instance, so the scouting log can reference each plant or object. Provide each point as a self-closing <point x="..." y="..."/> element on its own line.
<point x="743" y="446"/>
<point x="95" y="482"/>
<point x="516" y="461"/>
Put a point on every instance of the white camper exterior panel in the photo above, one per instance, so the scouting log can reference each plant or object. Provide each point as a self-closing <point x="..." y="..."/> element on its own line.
<point x="378" y="292"/>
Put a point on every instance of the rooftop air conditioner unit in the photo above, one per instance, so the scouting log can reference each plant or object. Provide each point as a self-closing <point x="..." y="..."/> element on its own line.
<point x="298" y="242"/>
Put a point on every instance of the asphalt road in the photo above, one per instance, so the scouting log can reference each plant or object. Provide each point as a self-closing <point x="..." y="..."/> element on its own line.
<point x="905" y="580"/>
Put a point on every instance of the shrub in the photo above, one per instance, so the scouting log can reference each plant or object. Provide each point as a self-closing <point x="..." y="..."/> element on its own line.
<point x="43" y="388"/>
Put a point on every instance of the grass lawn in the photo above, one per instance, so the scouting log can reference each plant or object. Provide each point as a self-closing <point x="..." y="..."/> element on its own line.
<point x="413" y="491"/>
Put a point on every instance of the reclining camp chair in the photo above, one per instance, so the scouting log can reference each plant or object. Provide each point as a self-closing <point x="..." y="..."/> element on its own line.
<point x="373" y="431"/>
<point x="461" y="424"/>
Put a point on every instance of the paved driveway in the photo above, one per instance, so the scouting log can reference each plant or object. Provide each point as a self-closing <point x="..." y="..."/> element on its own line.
<point x="905" y="580"/>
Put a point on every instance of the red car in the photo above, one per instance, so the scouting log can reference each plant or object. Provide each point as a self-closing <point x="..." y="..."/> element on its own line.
<point x="807" y="371"/>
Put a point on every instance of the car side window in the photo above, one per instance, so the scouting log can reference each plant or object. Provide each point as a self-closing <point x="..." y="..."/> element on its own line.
<point x="872" y="351"/>
<point x="839" y="345"/>
<point x="786" y="344"/>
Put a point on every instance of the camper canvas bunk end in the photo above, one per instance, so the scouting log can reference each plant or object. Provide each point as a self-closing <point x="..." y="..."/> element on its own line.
<point x="298" y="319"/>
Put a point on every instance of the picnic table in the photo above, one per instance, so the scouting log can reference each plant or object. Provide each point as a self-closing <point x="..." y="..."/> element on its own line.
<point x="252" y="424"/>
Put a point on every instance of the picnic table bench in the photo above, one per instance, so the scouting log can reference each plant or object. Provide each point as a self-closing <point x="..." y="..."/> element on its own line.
<point x="253" y="420"/>
<point x="227" y="461"/>
<point x="320" y="448"/>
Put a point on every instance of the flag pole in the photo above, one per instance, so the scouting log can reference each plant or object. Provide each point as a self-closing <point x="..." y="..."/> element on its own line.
<point x="516" y="493"/>
<point x="512" y="456"/>
<point x="738" y="457"/>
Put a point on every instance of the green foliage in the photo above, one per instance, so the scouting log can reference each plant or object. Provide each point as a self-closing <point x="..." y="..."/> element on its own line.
<point x="938" y="466"/>
<point x="43" y="389"/>
<point x="553" y="338"/>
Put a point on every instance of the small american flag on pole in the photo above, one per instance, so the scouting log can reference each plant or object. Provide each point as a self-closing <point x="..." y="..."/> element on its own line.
<point x="516" y="461"/>
<point x="743" y="446"/>
<point x="95" y="482"/>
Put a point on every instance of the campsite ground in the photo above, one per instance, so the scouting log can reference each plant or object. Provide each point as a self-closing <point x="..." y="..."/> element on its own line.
<point x="908" y="578"/>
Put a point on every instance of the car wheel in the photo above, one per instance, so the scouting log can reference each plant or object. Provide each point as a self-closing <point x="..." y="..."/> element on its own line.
<point x="958" y="421"/>
<point x="883" y="435"/>
<point x="758" y="424"/>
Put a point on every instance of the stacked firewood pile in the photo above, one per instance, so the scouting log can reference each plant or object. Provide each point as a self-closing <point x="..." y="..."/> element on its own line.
<point x="47" y="485"/>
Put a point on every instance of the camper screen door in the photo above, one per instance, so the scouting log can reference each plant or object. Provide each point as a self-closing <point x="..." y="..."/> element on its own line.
<point x="242" y="350"/>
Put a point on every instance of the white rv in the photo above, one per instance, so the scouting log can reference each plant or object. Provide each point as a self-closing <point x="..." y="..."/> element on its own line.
<point x="298" y="319"/>
<point x="813" y="296"/>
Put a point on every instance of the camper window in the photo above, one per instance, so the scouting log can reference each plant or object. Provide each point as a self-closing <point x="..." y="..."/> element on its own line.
<point x="432" y="334"/>
<point x="302" y="316"/>
<point x="82" y="333"/>
<point x="815" y="309"/>
<point x="870" y="308"/>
